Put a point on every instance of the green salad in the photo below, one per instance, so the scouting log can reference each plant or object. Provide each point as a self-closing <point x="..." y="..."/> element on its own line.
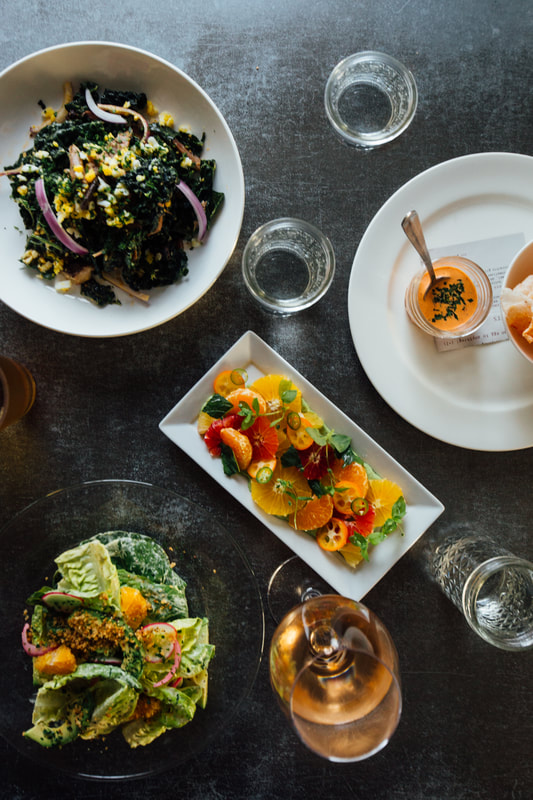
<point x="112" y="195"/>
<point x="113" y="645"/>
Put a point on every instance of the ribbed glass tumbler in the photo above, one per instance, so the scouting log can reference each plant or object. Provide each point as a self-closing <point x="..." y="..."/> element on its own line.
<point x="491" y="586"/>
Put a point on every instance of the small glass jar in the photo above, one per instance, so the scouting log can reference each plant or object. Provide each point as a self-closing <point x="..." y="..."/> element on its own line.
<point x="483" y="288"/>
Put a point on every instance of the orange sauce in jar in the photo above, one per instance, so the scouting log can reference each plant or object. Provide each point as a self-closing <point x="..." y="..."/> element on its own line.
<point x="450" y="303"/>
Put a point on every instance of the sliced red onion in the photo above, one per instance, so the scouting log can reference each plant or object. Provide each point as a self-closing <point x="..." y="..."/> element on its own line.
<point x="29" y="648"/>
<point x="174" y="668"/>
<point x="197" y="208"/>
<point x="54" y="223"/>
<point x="106" y="116"/>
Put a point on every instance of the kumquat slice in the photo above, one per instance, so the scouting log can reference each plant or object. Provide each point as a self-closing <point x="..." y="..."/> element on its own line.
<point x="228" y="380"/>
<point x="333" y="536"/>
<point x="344" y="495"/>
<point x="299" y="438"/>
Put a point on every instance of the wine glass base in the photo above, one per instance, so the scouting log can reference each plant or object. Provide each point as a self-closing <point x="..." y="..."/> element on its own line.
<point x="293" y="582"/>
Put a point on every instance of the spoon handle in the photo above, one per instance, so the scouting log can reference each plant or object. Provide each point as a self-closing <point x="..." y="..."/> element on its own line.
<point x="413" y="230"/>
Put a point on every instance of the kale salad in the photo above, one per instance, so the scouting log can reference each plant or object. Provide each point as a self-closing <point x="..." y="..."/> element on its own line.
<point x="113" y="646"/>
<point x="112" y="194"/>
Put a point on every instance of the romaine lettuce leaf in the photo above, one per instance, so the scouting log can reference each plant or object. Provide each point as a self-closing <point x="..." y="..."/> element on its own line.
<point x="140" y="554"/>
<point x="71" y="705"/>
<point x="177" y="709"/>
<point x="87" y="571"/>
<point x="166" y="601"/>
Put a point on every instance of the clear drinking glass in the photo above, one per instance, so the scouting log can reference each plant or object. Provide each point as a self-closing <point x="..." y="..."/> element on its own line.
<point x="17" y="391"/>
<point x="491" y="586"/>
<point x="334" y="669"/>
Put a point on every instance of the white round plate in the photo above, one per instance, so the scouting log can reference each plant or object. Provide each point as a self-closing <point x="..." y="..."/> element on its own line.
<point x="478" y="397"/>
<point x="41" y="76"/>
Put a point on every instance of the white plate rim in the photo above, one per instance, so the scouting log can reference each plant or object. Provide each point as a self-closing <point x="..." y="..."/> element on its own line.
<point x="252" y="353"/>
<point x="82" y="318"/>
<point x="404" y="383"/>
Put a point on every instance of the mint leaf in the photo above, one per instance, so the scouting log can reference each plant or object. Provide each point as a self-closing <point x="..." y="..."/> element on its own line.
<point x="217" y="406"/>
<point x="317" y="437"/>
<point x="361" y="542"/>
<point x="290" y="458"/>
<point x="229" y="462"/>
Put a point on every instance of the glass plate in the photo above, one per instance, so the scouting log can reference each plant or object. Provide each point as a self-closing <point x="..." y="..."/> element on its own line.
<point x="254" y="355"/>
<point x="220" y="585"/>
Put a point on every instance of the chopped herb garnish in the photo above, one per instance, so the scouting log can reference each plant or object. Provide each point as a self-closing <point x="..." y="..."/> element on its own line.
<point x="450" y="296"/>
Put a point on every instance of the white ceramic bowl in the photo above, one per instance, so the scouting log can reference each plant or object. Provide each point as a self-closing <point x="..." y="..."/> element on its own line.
<point x="40" y="77"/>
<point x="520" y="267"/>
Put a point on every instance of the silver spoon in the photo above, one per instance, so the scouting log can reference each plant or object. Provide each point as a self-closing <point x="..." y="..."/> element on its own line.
<point x="413" y="230"/>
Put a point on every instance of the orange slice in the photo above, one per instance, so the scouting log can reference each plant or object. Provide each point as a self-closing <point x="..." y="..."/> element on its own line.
<point x="314" y="514"/>
<point x="240" y="444"/>
<point x="382" y="495"/>
<point x="280" y="495"/>
<point x="352" y="554"/>
<point x="354" y="473"/>
<point x="247" y="396"/>
<point x="203" y="422"/>
<point x="270" y="387"/>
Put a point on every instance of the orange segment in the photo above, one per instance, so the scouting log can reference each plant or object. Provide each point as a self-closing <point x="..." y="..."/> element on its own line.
<point x="382" y="494"/>
<point x="247" y="396"/>
<point x="240" y="444"/>
<point x="254" y="466"/>
<point x="269" y="387"/>
<point x="279" y="496"/>
<point x="354" y="473"/>
<point x="314" y="514"/>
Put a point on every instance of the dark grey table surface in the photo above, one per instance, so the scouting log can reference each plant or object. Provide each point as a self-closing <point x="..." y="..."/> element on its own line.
<point x="466" y="729"/>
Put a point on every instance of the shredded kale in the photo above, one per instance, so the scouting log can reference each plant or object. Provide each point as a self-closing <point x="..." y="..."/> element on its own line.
<point x="113" y="189"/>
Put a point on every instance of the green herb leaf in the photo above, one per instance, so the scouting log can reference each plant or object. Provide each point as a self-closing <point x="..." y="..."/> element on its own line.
<point x="217" y="406"/>
<point x="229" y="462"/>
<point x="340" y="442"/>
<point x="320" y="438"/>
<point x="361" y="542"/>
<point x="290" y="458"/>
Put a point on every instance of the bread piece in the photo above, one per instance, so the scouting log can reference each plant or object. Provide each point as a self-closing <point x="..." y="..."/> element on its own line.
<point x="517" y="305"/>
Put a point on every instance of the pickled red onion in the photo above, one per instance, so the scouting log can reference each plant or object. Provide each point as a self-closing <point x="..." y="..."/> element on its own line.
<point x="105" y="116"/>
<point x="174" y="668"/>
<point x="29" y="648"/>
<point x="197" y="208"/>
<point x="53" y="222"/>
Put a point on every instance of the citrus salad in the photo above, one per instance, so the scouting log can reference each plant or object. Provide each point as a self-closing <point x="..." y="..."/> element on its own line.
<point x="113" y="645"/>
<point x="298" y="468"/>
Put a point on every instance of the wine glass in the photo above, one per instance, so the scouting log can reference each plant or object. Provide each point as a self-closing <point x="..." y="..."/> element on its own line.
<point x="334" y="669"/>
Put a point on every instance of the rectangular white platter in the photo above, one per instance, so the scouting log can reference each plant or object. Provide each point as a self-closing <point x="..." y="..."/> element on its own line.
<point x="253" y="354"/>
